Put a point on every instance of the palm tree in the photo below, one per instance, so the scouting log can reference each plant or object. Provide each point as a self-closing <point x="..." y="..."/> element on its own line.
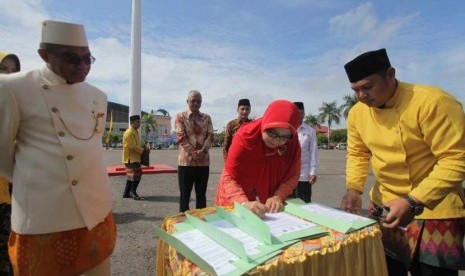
<point x="349" y="101"/>
<point x="312" y="120"/>
<point x="329" y="112"/>
<point x="163" y="111"/>
<point x="148" y="124"/>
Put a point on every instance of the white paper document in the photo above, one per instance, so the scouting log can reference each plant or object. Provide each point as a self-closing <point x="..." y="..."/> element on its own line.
<point x="283" y="223"/>
<point x="214" y="254"/>
<point x="250" y="243"/>
<point x="333" y="213"/>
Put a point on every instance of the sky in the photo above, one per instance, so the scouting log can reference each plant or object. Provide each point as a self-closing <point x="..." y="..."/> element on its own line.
<point x="263" y="50"/>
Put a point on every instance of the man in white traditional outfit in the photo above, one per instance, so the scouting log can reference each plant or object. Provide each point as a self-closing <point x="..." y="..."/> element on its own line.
<point x="51" y="124"/>
<point x="310" y="157"/>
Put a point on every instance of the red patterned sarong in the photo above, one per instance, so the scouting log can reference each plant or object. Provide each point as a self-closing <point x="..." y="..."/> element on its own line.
<point x="133" y="171"/>
<point x="63" y="253"/>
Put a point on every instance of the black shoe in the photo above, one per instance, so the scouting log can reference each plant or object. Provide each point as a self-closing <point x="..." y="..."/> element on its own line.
<point x="127" y="189"/>
<point x="134" y="195"/>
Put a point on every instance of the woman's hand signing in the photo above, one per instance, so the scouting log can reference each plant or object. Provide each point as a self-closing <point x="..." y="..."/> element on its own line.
<point x="274" y="204"/>
<point x="256" y="207"/>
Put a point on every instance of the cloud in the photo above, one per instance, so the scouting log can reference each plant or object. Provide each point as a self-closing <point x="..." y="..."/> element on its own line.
<point x="362" y="24"/>
<point x="356" y="22"/>
<point x="247" y="51"/>
<point x="24" y="13"/>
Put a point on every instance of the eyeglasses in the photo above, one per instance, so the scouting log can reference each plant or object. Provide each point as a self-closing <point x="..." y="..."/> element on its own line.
<point x="75" y="59"/>
<point x="274" y="135"/>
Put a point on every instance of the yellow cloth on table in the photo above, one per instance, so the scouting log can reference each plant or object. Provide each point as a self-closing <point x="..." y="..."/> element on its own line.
<point x="357" y="253"/>
<point x="4" y="191"/>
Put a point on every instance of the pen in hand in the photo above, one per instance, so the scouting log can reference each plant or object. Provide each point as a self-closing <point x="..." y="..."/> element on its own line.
<point x="257" y="207"/>
<point x="255" y="195"/>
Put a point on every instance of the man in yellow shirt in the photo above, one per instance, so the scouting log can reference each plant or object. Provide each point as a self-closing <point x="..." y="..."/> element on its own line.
<point x="132" y="151"/>
<point x="414" y="136"/>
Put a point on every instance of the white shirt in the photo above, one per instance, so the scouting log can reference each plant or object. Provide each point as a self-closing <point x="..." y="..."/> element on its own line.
<point x="310" y="155"/>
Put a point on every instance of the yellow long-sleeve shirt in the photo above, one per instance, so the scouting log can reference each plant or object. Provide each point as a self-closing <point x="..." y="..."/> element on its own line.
<point x="416" y="146"/>
<point x="131" y="146"/>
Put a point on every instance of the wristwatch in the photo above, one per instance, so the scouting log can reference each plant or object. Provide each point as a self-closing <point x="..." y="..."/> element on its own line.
<point x="417" y="209"/>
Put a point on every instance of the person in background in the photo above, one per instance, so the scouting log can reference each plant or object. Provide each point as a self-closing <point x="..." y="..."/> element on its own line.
<point x="263" y="165"/>
<point x="243" y="111"/>
<point x="132" y="151"/>
<point x="9" y="63"/>
<point x="310" y="157"/>
<point x="414" y="136"/>
<point x="194" y="131"/>
<point x="51" y="122"/>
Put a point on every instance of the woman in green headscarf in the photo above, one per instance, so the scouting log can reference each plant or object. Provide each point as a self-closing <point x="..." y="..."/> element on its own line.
<point x="9" y="63"/>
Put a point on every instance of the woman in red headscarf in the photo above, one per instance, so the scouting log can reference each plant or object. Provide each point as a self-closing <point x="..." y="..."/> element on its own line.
<point x="263" y="164"/>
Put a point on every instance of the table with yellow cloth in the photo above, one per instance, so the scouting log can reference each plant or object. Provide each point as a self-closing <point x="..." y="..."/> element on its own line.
<point x="357" y="253"/>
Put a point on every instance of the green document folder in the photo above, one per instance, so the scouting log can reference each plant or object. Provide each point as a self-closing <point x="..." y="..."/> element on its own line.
<point x="257" y="248"/>
<point x="330" y="217"/>
<point x="247" y="221"/>
<point x="239" y="266"/>
<point x="238" y="256"/>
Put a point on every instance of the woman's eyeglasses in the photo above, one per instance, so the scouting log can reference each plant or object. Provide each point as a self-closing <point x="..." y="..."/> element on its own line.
<point x="274" y="135"/>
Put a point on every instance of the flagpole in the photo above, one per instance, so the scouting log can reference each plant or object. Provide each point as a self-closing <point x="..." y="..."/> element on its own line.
<point x="135" y="81"/>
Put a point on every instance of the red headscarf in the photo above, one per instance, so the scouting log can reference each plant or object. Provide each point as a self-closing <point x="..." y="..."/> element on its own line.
<point x="257" y="168"/>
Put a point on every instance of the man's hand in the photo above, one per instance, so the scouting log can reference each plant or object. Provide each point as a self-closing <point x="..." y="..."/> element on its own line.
<point x="257" y="208"/>
<point x="400" y="213"/>
<point x="197" y="155"/>
<point x="274" y="204"/>
<point x="312" y="179"/>
<point x="352" y="201"/>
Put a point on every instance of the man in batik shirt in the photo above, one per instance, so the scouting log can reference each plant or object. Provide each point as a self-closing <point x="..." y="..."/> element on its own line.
<point x="194" y="131"/>
<point x="243" y="111"/>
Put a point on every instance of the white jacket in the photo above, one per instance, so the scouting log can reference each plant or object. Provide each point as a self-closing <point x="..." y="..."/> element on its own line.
<point x="310" y="156"/>
<point x="59" y="182"/>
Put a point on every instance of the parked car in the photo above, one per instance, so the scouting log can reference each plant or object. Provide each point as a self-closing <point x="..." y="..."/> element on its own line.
<point x="341" y="146"/>
<point x="157" y="147"/>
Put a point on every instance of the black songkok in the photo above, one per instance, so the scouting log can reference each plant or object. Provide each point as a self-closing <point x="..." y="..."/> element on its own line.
<point x="300" y="105"/>
<point x="366" y="64"/>
<point x="244" y="102"/>
<point x="134" y="118"/>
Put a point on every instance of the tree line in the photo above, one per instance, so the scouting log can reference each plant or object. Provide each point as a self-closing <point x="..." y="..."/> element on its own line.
<point x="329" y="113"/>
